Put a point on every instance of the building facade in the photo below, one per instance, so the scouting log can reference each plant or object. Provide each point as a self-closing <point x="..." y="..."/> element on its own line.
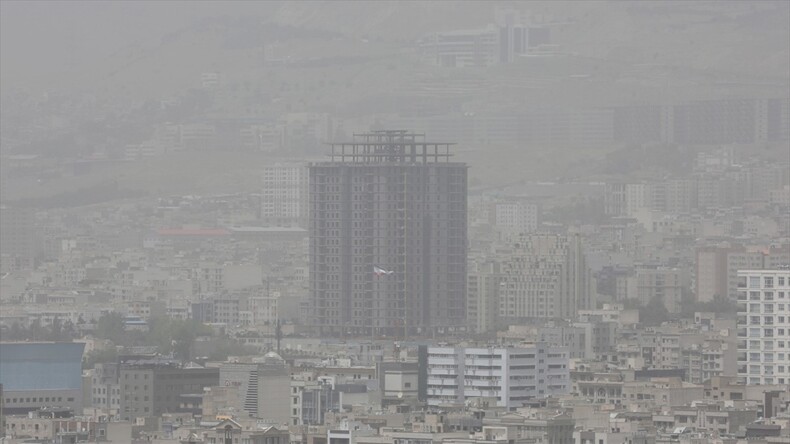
<point x="482" y="298"/>
<point x="509" y="377"/>
<point x="284" y="195"/>
<point x="263" y="387"/>
<point x="388" y="237"/>
<point x="516" y="217"/>
<point x="764" y="327"/>
<point x="150" y="389"/>
<point x="546" y="276"/>
<point x="17" y="239"/>
<point x="41" y="374"/>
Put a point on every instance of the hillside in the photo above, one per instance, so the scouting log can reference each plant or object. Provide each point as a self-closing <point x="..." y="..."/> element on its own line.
<point x="156" y="48"/>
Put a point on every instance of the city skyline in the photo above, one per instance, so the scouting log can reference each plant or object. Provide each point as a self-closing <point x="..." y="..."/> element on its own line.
<point x="398" y="222"/>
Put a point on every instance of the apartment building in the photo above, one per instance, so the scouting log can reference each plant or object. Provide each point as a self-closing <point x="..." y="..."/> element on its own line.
<point x="388" y="237"/>
<point x="283" y="199"/>
<point x="545" y="276"/>
<point x="482" y="300"/>
<point x="509" y="377"/>
<point x="149" y="389"/>
<point x="764" y="327"/>
<point x="516" y="217"/>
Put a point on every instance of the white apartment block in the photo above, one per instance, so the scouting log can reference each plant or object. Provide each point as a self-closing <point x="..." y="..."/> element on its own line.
<point x="264" y="309"/>
<point x="518" y="217"/>
<point x="624" y="199"/>
<point x="764" y="327"/>
<point x="284" y="195"/>
<point x="508" y="376"/>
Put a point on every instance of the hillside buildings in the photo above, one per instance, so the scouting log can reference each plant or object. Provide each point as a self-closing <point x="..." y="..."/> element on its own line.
<point x="497" y="43"/>
<point x="18" y="238"/>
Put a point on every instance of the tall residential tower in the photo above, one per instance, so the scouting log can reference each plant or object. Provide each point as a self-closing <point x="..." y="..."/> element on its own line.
<point x="388" y="237"/>
<point x="764" y="326"/>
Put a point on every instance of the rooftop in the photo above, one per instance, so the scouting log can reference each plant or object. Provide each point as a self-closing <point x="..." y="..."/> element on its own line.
<point x="390" y="146"/>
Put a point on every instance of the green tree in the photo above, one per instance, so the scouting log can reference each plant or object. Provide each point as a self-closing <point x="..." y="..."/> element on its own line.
<point x="654" y="313"/>
<point x="37" y="332"/>
<point x="175" y="335"/>
<point x="55" y="330"/>
<point x="230" y="347"/>
<point x="719" y="304"/>
<point x="110" y="327"/>
<point x="99" y="355"/>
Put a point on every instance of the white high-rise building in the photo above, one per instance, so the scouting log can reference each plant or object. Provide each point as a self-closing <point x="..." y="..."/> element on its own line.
<point x="516" y="217"/>
<point x="764" y="327"/>
<point x="284" y="195"/>
<point x="508" y="377"/>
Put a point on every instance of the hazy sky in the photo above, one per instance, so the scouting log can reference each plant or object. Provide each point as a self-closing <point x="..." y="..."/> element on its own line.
<point x="67" y="44"/>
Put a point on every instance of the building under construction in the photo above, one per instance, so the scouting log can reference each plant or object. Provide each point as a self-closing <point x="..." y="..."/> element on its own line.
<point x="388" y="237"/>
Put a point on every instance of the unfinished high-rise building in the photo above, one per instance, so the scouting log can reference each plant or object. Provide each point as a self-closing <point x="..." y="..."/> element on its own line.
<point x="388" y="237"/>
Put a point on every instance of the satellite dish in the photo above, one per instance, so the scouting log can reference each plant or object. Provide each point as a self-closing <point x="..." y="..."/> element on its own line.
<point x="400" y="395"/>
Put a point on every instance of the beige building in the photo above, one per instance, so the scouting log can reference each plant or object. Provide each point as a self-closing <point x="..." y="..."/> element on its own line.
<point x="659" y="392"/>
<point x="545" y="276"/>
<point x="263" y="387"/>
<point x="717" y="267"/>
<point x="665" y="284"/>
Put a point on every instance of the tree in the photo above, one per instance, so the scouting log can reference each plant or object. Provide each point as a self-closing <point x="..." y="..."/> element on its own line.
<point x="36" y="331"/>
<point x="719" y="304"/>
<point x="230" y="347"/>
<point x="110" y="327"/>
<point x="99" y="355"/>
<point x="175" y="335"/>
<point x="654" y="313"/>
<point x="55" y="330"/>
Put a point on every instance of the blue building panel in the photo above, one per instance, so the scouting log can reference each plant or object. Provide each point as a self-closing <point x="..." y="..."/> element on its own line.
<point x="41" y="366"/>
